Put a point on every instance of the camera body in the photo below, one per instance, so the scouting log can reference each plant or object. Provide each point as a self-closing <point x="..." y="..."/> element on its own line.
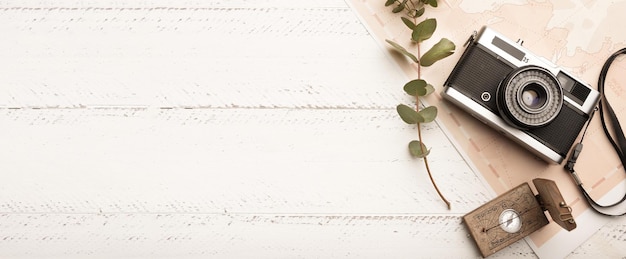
<point x="525" y="97"/>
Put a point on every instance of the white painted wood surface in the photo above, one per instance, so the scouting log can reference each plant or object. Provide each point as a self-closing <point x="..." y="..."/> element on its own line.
<point x="219" y="130"/>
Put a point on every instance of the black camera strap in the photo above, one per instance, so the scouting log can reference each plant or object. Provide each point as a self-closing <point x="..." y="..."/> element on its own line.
<point x="615" y="135"/>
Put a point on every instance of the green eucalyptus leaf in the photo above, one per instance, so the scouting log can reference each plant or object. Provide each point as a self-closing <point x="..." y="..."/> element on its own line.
<point x="416" y="87"/>
<point x="432" y="3"/>
<point x="442" y="49"/>
<point x="398" y="8"/>
<point x="408" y="115"/>
<point x="429" y="89"/>
<point x="402" y="50"/>
<point x="424" y="30"/>
<point x="408" y="23"/>
<point x="418" y="149"/>
<point x="419" y="12"/>
<point x="414" y="13"/>
<point x="389" y="2"/>
<point x="428" y="114"/>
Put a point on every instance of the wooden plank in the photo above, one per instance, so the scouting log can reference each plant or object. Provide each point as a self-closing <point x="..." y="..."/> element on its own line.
<point x="236" y="235"/>
<point x="224" y="183"/>
<point x="269" y="56"/>
<point x="214" y="160"/>
<point x="607" y="242"/>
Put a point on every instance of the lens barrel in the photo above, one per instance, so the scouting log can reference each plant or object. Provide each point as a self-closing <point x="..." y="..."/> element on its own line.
<point x="529" y="97"/>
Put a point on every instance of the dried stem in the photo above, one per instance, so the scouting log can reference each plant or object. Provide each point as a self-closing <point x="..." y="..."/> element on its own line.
<point x="419" y="135"/>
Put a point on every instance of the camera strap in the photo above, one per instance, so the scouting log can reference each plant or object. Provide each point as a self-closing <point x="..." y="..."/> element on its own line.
<point x="614" y="134"/>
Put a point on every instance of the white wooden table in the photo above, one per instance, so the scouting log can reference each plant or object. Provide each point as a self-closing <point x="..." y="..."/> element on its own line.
<point x="219" y="129"/>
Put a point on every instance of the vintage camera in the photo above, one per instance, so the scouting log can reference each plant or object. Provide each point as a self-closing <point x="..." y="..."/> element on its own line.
<point x="526" y="97"/>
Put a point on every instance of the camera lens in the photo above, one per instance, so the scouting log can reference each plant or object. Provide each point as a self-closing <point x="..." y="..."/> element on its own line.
<point x="529" y="97"/>
<point x="533" y="97"/>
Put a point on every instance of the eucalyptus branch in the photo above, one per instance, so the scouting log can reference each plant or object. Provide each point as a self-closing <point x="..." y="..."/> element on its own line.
<point x="418" y="88"/>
